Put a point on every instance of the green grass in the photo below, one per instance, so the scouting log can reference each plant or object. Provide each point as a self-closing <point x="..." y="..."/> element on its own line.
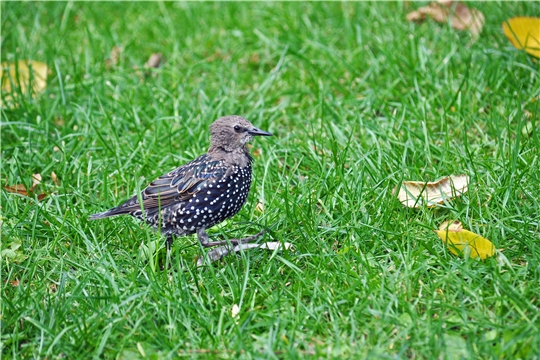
<point x="358" y="99"/>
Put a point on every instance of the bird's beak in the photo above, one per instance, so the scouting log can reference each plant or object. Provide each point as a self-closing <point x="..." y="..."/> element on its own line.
<point x="258" y="132"/>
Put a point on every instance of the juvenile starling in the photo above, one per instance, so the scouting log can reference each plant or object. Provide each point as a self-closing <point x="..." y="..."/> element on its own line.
<point x="203" y="192"/>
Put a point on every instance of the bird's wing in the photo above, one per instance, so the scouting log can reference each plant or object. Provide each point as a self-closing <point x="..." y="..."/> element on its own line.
<point x="174" y="187"/>
<point x="182" y="183"/>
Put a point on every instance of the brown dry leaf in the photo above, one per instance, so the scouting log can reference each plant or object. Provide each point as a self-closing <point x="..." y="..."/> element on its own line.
<point x="14" y="282"/>
<point x="463" y="18"/>
<point x="18" y="189"/>
<point x="19" y="76"/>
<point x="524" y="33"/>
<point x="114" y="57"/>
<point x="154" y="61"/>
<point x="465" y="242"/>
<point x="116" y="52"/>
<point x="55" y="179"/>
<point x="21" y="189"/>
<point x="416" y="193"/>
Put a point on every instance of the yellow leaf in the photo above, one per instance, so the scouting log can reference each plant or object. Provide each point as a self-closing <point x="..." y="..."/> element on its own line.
<point x="19" y="75"/>
<point x="466" y="242"/>
<point x="524" y="33"/>
<point x="415" y="193"/>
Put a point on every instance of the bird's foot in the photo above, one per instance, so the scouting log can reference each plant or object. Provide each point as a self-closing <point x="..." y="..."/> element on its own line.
<point x="246" y="240"/>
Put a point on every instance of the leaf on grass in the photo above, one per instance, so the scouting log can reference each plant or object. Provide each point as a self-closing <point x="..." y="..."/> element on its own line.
<point x="17" y="189"/>
<point x="114" y="58"/>
<point x="462" y="17"/>
<point x="13" y="253"/>
<point x="116" y="52"/>
<point x="235" y="311"/>
<point x="154" y="61"/>
<point x="259" y="207"/>
<point x="21" y="77"/>
<point x="22" y="190"/>
<point x="416" y="193"/>
<point x="464" y="242"/>
<point x="36" y="180"/>
<point x="222" y="251"/>
<point x="524" y="33"/>
<point x="55" y="179"/>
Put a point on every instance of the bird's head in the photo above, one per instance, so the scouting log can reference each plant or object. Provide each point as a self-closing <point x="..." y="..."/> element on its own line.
<point x="233" y="132"/>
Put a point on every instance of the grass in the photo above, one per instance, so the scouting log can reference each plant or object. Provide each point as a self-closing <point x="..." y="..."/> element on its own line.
<point x="358" y="99"/>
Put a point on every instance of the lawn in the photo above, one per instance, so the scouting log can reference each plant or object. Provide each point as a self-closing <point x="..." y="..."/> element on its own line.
<point x="358" y="100"/>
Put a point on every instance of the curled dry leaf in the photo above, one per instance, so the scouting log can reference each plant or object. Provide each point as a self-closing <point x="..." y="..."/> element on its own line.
<point x="259" y="207"/>
<point x="222" y="251"/>
<point x="524" y="33"/>
<point x="154" y="61"/>
<point x="463" y="18"/>
<point x="24" y="75"/>
<point x="55" y="179"/>
<point x="17" y="189"/>
<point x="416" y="193"/>
<point x="116" y="52"/>
<point x="464" y="242"/>
<point x="36" y="180"/>
<point x="235" y="311"/>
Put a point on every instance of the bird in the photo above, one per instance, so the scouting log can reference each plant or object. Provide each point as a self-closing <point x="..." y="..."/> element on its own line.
<point x="203" y="192"/>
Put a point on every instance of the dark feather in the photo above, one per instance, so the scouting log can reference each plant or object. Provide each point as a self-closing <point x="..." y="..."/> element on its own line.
<point x="177" y="186"/>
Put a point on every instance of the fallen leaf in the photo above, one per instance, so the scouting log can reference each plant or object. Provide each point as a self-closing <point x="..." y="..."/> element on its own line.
<point x="21" y="77"/>
<point x="524" y="33"/>
<point x="36" y="180"/>
<point x="55" y="179"/>
<point x="464" y="242"/>
<point x="17" y="189"/>
<point x="235" y="311"/>
<point x="116" y="52"/>
<point x="14" y="282"/>
<point x="416" y="193"/>
<point x="463" y="18"/>
<point x="259" y="207"/>
<point x="114" y="58"/>
<point x="13" y="253"/>
<point x="22" y="190"/>
<point x="154" y="61"/>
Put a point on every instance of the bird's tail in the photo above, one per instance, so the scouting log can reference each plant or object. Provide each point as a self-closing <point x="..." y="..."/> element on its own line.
<point x="105" y="214"/>
<point x="125" y="208"/>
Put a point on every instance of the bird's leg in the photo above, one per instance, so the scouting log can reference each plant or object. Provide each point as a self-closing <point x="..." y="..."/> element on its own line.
<point x="169" y="242"/>
<point x="205" y="240"/>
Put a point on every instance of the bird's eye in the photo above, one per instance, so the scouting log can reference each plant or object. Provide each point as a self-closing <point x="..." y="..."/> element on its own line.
<point x="238" y="128"/>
